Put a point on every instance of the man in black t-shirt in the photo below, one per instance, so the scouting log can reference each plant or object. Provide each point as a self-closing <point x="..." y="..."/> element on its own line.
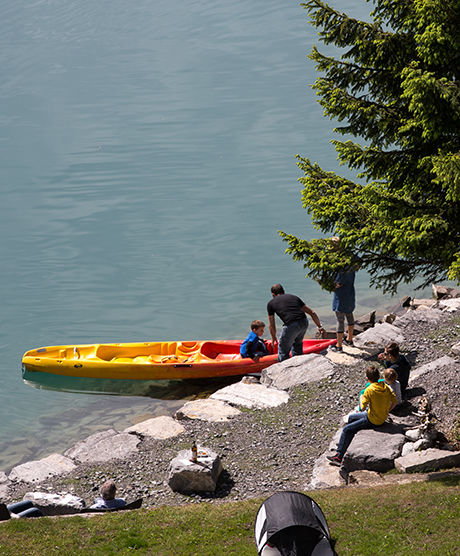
<point x="292" y="311"/>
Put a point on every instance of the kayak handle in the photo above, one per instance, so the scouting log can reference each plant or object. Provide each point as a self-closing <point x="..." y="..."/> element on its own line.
<point x="182" y="365"/>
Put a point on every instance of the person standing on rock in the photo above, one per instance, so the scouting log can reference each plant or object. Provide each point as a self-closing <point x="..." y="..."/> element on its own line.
<point x="377" y="401"/>
<point x="293" y="312"/>
<point x="343" y="302"/>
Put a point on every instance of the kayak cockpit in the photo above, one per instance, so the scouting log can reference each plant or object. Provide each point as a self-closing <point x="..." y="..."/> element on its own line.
<point x="168" y="352"/>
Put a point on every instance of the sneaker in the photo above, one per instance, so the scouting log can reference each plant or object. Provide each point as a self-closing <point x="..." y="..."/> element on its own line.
<point x="348" y="343"/>
<point x="336" y="348"/>
<point x="335" y="460"/>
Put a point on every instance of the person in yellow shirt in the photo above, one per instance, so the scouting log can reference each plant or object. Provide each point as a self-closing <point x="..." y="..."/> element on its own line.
<point x="377" y="401"/>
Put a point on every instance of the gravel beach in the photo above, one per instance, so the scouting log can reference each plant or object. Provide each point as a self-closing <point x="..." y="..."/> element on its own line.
<point x="267" y="450"/>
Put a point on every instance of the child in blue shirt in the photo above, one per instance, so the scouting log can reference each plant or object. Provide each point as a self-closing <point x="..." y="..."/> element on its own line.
<point x="253" y="346"/>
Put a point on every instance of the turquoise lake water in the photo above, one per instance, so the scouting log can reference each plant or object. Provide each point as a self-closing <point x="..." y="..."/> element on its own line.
<point x="147" y="162"/>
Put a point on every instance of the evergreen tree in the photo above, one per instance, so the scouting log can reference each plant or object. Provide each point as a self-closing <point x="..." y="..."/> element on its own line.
<point x="396" y="86"/>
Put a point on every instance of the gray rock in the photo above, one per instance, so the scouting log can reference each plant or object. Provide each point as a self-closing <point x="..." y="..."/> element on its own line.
<point x="3" y="477"/>
<point x="251" y="395"/>
<point x="428" y="460"/>
<point x="185" y="476"/>
<point x="3" y="490"/>
<point x="297" y="370"/>
<point x="441" y="292"/>
<point x="456" y="348"/>
<point x="450" y="305"/>
<point x="429" y="303"/>
<point x="42" y="469"/>
<point x="207" y="410"/>
<point x="104" y="446"/>
<point x="56" y="504"/>
<point x="375" y="339"/>
<point x="405" y="301"/>
<point x="427" y="315"/>
<point x="413" y="434"/>
<point x="443" y="361"/>
<point x="325" y="475"/>
<point x="346" y="357"/>
<point x="422" y="444"/>
<point x="389" y="317"/>
<point x="158" y="427"/>
<point x="375" y="450"/>
<point x="366" y="321"/>
<point x="408" y="448"/>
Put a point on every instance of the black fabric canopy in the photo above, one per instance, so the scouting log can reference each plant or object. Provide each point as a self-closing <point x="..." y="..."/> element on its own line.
<point x="294" y="524"/>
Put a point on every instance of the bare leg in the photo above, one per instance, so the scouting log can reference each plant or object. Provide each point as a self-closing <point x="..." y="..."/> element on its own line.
<point x="350" y="332"/>
<point x="339" y="339"/>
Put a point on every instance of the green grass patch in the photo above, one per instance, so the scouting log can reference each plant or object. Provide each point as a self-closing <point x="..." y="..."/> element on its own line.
<point x="395" y="519"/>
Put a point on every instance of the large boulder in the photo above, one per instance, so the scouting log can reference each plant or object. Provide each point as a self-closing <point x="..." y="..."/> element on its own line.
<point x="450" y="305"/>
<point x="186" y="476"/>
<point x="297" y="370"/>
<point x="207" y="410"/>
<point x="375" y="450"/>
<point x="426" y="303"/>
<point x="158" y="427"/>
<point x="256" y="396"/>
<point x="422" y="315"/>
<point x="441" y="292"/>
<point x="346" y="357"/>
<point x="325" y="475"/>
<point x="439" y="363"/>
<point x="104" y="446"/>
<point x="56" y="504"/>
<point x="42" y="469"/>
<point x="374" y="339"/>
<point x="427" y="460"/>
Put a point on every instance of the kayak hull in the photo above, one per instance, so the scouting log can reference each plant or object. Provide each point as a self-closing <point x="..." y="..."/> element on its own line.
<point x="154" y="360"/>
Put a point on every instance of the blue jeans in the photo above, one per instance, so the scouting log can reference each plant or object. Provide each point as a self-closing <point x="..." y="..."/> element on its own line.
<point x="24" y="509"/>
<point x="356" y="422"/>
<point x="292" y="337"/>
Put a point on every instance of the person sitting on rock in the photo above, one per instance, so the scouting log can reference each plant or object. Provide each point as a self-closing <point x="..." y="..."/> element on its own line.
<point x="253" y="346"/>
<point x="391" y="379"/>
<point x="392" y="359"/>
<point x="377" y="401"/>
<point x="107" y="499"/>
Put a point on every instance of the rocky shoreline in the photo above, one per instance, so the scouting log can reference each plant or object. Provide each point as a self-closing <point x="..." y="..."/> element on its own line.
<point x="263" y="450"/>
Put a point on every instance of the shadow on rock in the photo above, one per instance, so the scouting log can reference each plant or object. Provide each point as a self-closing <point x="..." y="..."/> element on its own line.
<point x="223" y="488"/>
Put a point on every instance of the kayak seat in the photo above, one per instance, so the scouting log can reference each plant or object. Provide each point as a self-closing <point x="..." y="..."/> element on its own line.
<point x="216" y="350"/>
<point x="186" y="348"/>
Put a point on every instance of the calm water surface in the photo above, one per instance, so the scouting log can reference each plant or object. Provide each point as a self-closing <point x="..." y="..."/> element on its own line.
<point x="146" y="164"/>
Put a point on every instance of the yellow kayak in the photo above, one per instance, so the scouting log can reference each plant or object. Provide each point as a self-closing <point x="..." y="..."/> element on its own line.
<point x="154" y="360"/>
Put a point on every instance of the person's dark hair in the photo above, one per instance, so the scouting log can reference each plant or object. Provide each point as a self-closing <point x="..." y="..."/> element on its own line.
<point x="255" y="324"/>
<point x="373" y="374"/>
<point x="108" y="490"/>
<point x="392" y="349"/>
<point x="277" y="289"/>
